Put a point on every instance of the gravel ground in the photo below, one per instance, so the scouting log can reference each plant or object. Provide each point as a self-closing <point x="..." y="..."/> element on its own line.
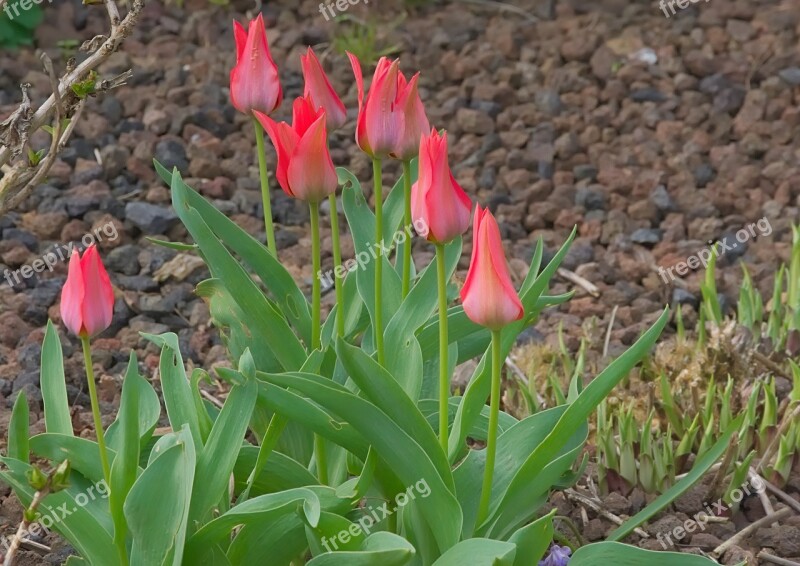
<point x="653" y="135"/>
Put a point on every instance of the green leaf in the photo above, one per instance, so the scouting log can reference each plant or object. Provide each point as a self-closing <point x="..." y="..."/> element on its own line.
<point x="280" y="472"/>
<point x="700" y="467"/>
<point x="217" y="460"/>
<point x="19" y="430"/>
<point x="54" y="386"/>
<point x="379" y="549"/>
<point x="533" y="540"/>
<point x="157" y="507"/>
<point x="149" y="408"/>
<point x="479" y="552"/>
<point x="394" y="445"/>
<point x="625" y="555"/>
<point x="125" y="466"/>
<point x="175" y="387"/>
<point x="83" y="454"/>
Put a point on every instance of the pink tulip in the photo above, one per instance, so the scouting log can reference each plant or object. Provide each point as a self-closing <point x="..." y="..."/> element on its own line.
<point x="319" y="88"/>
<point x="87" y="299"/>
<point x="438" y="203"/>
<point x="254" y="80"/>
<point x="391" y="119"/>
<point x="415" y="121"/>
<point x="305" y="168"/>
<point x="380" y="121"/>
<point x="488" y="296"/>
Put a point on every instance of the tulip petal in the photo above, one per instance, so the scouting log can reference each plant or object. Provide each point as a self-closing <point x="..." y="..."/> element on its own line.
<point x="284" y="139"/>
<point x="98" y="300"/>
<point x="361" y="124"/>
<point x="311" y="173"/>
<point x="304" y="114"/>
<point x="383" y="118"/>
<point x="318" y="87"/>
<point x="72" y="296"/>
<point x="254" y="80"/>
<point x="415" y="120"/>
<point x="240" y="37"/>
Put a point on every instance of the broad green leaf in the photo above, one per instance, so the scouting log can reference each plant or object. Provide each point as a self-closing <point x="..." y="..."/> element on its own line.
<point x="19" y="429"/>
<point x="576" y="415"/>
<point x="280" y="472"/>
<point x="699" y="469"/>
<point x="82" y="453"/>
<point x="533" y="540"/>
<point x="379" y="549"/>
<point x="175" y="387"/>
<point x="625" y="555"/>
<point x="157" y="507"/>
<point x="54" y="386"/>
<point x="215" y="463"/>
<point x="324" y="537"/>
<point x="479" y="552"/>
<point x="394" y="445"/>
<point x="149" y="408"/>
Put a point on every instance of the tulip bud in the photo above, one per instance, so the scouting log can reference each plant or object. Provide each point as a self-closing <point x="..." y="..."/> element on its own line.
<point x="255" y="85"/>
<point x="305" y="168"/>
<point x="488" y="296"/>
<point x="380" y="120"/>
<point x="87" y="299"/>
<point x="318" y="87"/>
<point x="415" y="121"/>
<point x="438" y="203"/>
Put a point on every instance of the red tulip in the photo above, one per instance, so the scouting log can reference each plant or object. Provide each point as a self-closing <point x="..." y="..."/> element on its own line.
<point x="305" y="168"/>
<point x="380" y="120"/>
<point x="87" y="299"/>
<point x="438" y="203"/>
<point x="254" y="80"/>
<point x="319" y="88"/>
<point x="415" y="121"/>
<point x="488" y="296"/>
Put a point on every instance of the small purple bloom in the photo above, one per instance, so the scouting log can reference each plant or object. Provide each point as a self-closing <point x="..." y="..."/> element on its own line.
<point x="559" y="556"/>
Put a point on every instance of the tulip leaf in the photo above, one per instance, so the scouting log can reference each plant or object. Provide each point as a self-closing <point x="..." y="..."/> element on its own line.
<point x="53" y="384"/>
<point x="218" y="457"/>
<point x="279" y="473"/>
<point x="626" y="555"/>
<point x="175" y="387"/>
<point x="479" y="552"/>
<point x="19" y="429"/>
<point x="378" y="549"/>
<point x="269" y="269"/>
<point x="82" y="453"/>
<point x="149" y="408"/>
<point x="394" y="446"/>
<point x="533" y="540"/>
<point x="157" y="506"/>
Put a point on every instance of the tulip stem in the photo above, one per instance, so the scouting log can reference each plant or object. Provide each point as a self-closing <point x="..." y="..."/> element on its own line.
<point x="491" y="441"/>
<point x="378" y="185"/>
<point x="265" y="198"/>
<point x="337" y="261"/>
<point x="406" y="225"/>
<point x="316" y="291"/>
<point x="98" y="422"/>
<point x="444" y="377"/>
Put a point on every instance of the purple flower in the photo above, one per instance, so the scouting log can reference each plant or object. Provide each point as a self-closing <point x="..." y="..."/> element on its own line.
<point x="559" y="556"/>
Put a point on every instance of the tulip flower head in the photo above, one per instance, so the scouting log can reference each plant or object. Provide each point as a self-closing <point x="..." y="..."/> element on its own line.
<point x="305" y="168"/>
<point x="318" y="87"/>
<point x="437" y="202"/>
<point x="415" y="121"/>
<point x="255" y="85"/>
<point x="87" y="299"/>
<point x="488" y="296"/>
<point x="391" y="118"/>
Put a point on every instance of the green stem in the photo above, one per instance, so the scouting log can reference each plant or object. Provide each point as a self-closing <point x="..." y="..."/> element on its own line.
<point x="337" y="261"/>
<point x="444" y="377"/>
<point x="378" y="185"/>
<point x="491" y="441"/>
<point x="406" y="224"/>
<point x="321" y="454"/>
<point x="316" y="291"/>
<point x="98" y="422"/>
<point x="265" y="198"/>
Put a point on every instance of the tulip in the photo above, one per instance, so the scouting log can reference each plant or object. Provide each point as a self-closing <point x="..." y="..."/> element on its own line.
<point x="254" y="79"/>
<point x="438" y="203"/>
<point x="318" y="87"/>
<point x="87" y="299"/>
<point x="489" y="299"/>
<point x="305" y="168"/>
<point x="380" y="119"/>
<point x="87" y="307"/>
<point x="415" y="121"/>
<point x="488" y="296"/>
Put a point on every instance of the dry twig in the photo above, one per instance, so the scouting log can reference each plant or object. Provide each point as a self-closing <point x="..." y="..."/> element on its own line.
<point x="751" y="528"/>
<point x="597" y="508"/>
